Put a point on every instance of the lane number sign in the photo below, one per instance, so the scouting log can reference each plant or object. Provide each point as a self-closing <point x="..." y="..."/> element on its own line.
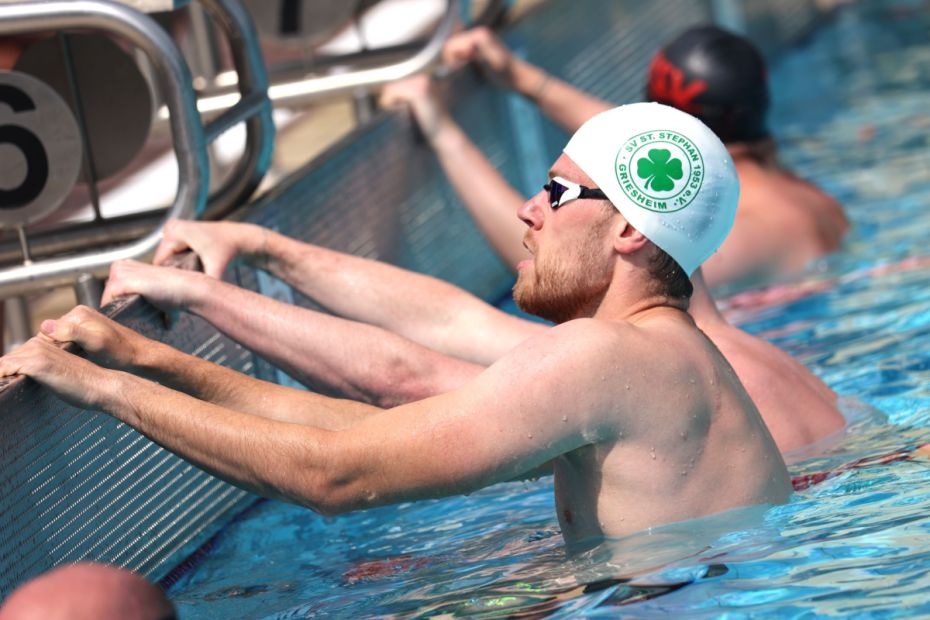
<point x="40" y="149"/>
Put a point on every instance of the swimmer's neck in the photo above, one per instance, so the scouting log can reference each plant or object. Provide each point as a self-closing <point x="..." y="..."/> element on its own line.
<point x="762" y="152"/>
<point x="643" y="309"/>
<point x="703" y="308"/>
<point x="631" y="295"/>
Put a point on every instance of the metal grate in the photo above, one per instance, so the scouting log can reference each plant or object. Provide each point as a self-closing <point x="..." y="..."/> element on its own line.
<point x="79" y="485"/>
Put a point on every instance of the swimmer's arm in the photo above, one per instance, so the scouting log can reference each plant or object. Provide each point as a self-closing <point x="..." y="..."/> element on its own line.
<point x="492" y="202"/>
<point x="331" y="354"/>
<point x="564" y="104"/>
<point x="509" y="423"/>
<point x="384" y="370"/>
<point x="233" y="390"/>
<point x="567" y="106"/>
<point x="426" y="310"/>
<point x="491" y="430"/>
<point x="118" y="347"/>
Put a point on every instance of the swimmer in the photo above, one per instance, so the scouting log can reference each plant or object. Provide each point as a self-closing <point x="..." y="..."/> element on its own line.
<point x="782" y="223"/>
<point x="87" y="591"/>
<point x="798" y="408"/>
<point x="580" y="397"/>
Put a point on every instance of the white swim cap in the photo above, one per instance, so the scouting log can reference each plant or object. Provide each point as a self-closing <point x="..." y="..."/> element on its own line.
<point x="666" y="172"/>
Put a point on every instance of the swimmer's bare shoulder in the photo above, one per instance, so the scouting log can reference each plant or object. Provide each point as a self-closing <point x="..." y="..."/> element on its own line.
<point x="563" y="395"/>
<point x="672" y="434"/>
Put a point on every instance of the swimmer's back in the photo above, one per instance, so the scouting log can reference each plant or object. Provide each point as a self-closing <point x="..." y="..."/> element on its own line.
<point x="782" y="223"/>
<point x="686" y="440"/>
<point x="798" y="408"/>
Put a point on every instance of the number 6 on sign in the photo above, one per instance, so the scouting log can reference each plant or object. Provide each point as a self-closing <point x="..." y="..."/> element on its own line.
<point x="40" y="149"/>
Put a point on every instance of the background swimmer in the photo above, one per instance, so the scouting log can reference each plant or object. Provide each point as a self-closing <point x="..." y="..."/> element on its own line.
<point x="797" y="407"/>
<point x="782" y="223"/>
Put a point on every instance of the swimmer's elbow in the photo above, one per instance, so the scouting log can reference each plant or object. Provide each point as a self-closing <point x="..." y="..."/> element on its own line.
<point x="400" y="381"/>
<point x="340" y="499"/>
<point x="332" y="488"/>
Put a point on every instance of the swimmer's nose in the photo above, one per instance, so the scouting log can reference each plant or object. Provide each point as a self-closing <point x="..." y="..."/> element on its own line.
<point x="531" y="212"/>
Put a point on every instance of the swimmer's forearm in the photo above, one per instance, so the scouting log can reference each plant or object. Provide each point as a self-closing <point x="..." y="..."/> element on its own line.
<point x="566" y="105"/>
<point x="283" y="461"/>
<point x="426" y="310"/>
<point x="228" y="388"/>
<point x="330" y="354"/>
<point x="494" y="207"/>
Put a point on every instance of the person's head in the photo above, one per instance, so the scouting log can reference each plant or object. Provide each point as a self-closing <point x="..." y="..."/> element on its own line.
<point x="718" y="77"/>
<point x="87" y="591"/>
<point x="645" y="185"/>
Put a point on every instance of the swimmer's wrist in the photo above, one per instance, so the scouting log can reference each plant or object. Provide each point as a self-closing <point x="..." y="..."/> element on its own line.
<point x="110" y="392"/>
<point x="253" y="245"/>
<point x="199" y="290"/>
<point x="445" y="134"/>
<point x="116" y="392"/>
<point x="529" y="80"/>
<point x="150" y="360"/>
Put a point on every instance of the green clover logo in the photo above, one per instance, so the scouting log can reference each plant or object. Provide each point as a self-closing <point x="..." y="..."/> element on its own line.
<point x="659" y="170"/>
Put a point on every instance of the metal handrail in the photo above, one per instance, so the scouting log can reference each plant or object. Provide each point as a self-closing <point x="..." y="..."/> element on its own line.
<point x="188" y="135"/>
<point x="253" y="107"/>
<point x="299" y="92"/>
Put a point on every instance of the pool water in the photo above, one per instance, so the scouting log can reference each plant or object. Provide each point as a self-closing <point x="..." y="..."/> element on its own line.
<point x="852" y="111"/>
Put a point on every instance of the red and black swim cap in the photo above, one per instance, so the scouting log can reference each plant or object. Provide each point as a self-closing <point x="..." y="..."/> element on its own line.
<point x="717" y="76"/>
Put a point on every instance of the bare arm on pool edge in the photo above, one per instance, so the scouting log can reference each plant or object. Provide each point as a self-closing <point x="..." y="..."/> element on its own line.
<point x="566" y="105"/>
<point x="488" y="431"/>
<point x="426" y="310"/>
<point x="117" y="347"/>
<point x="490" y="199"/>
<point x="329" y="354"/>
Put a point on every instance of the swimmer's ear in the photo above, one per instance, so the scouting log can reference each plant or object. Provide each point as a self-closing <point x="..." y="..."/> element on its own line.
<point x="626" y="239"/>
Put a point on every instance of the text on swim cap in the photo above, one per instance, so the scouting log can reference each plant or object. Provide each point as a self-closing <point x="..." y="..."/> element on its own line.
<point x="661" y="170"/>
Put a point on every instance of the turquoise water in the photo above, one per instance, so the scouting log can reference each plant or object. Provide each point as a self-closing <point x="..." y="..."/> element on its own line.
<point x="852" y="111"/>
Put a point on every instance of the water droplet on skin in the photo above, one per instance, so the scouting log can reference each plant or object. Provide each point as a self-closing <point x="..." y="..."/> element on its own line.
<point x="652" y="453"/>
<point x="529" y="435"/>
<point x="693" y="381"/>
<point x="683" y="434"/>
<point x="564" y="418"/>
<point x="684" y="472"/>
<point x="627" y="386"/>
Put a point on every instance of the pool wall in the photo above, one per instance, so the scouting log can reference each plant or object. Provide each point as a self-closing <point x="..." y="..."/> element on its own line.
<point x="78" y="485"/>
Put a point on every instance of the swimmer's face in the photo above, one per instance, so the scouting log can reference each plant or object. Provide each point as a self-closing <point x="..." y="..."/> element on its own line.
<point x="571" y="265"/>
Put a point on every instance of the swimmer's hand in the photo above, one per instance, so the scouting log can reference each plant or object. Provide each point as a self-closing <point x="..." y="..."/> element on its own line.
<point x="482" y="46"/>
<point x="216" y="243"/>
<point x="74" y="379"/>
<point x="166" y="288"/>
<point x="106" y="342"/>
<point x="417" y="93"/>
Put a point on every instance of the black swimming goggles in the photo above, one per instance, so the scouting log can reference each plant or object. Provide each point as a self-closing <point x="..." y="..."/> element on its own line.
<point x="561" y="191"/>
